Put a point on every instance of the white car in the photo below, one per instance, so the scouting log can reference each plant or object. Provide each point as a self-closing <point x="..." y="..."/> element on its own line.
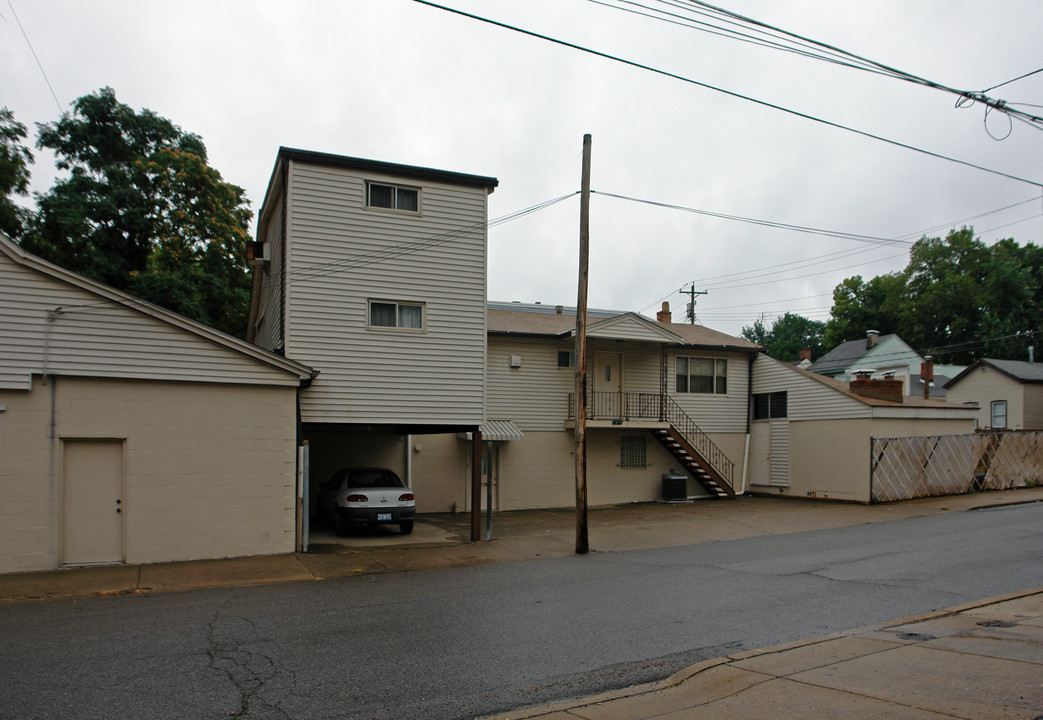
<point x="367" y="496"/>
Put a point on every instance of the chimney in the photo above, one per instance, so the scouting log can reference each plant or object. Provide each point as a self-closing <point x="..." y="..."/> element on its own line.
<point x="558" y="309"/>
<point x="664" y="315"/>
<point x="872" y="338"/>
<point x="878" y="388"/>
<point x="805" y="354"/>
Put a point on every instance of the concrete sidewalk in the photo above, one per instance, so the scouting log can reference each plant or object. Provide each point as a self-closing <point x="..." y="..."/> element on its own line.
<point x="982" y="660"/>
<point x="442" y="540"/>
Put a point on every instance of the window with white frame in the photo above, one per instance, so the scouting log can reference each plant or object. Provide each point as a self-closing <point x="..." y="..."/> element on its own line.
<point x="999" y="414"/>
<point x="701" y="375"/>
<point x="402" y="315"/>
<point x="392" y="197"/>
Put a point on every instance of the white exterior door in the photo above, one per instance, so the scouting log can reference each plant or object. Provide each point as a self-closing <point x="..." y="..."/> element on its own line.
<point x="608" y="384"/>
<point x="760" y="453"/>
<point x="92" y="501"/>
<point x="769" y="452"/>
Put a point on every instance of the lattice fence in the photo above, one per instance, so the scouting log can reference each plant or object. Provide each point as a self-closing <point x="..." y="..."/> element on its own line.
<point x="912" y="467"/>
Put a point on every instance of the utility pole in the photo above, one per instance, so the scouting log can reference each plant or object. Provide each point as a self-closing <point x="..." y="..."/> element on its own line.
<point x="582" y="541"/>
<point x="691" y="292"/>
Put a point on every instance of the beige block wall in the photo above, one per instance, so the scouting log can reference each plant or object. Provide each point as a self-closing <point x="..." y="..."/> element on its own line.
<point x="210" y="469"/>
<point x="830" y="459"/>
<point x="539" y="471"/>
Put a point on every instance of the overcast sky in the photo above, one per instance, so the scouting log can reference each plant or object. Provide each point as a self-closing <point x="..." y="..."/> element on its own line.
<point x="398" y="81"/>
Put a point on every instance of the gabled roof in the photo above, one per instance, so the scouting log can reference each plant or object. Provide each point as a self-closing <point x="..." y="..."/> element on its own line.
<point x="845" y="388"/>
<point x="840" y="357"/>
<point x="560" y="322"/>
<point x="26" y="259"/>
<point x="1023" y="372"/>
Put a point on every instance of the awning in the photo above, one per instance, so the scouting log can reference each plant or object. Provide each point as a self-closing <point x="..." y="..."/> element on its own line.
<point x="497" y="431"/>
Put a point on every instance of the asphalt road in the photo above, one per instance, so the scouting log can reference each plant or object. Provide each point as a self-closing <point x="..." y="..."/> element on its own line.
<point x="469" y="641"/>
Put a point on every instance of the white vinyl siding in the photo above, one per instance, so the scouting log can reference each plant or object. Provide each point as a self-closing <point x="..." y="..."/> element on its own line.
<point x="270" y="318"/>
<point x="714" y="412"/>
<point x="807" y="398"/>
<point x="344" y="255"/>
<point x="92" y="336"/>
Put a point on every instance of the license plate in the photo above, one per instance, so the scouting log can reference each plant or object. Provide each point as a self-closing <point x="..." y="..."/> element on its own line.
<point x="383" y="517"/>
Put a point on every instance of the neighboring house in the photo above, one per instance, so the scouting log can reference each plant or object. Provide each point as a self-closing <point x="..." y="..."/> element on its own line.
<point x="131" y="434"/>
<point x="885" y="355"/>
<point x="1008" y="394"/>
<point x="375" y="274"/>
<point x="811" y="435"/>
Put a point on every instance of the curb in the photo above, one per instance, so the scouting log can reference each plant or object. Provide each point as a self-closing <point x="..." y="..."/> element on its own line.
<point x="688" y="673"/>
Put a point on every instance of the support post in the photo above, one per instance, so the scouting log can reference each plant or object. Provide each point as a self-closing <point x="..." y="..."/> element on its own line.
<point x="476" y="485"/>
<point x="582" y="541"/>
<point x="489" y="491"/>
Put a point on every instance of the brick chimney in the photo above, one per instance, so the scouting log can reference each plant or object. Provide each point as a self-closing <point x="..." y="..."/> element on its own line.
<point x="878" y="388"/>
<point x="664" y="315"/>
<point x="872" y="338"/>
<point x="805" y="354"/>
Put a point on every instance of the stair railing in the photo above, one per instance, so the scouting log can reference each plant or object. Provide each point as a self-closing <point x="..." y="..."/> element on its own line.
<point x="699" y="440"/>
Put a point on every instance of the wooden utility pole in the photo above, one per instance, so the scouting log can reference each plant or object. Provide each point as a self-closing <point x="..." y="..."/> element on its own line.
<point x="582" y="542"/>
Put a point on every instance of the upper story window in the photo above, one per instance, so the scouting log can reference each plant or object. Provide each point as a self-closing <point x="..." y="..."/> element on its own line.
<point x="999" y="414"/>
<point x="702" y="375"/>
<point x="770" y="405"/>
<point x="393" y="197"/>
<point x="405" y="315"/>
<point x="566" y="358"/>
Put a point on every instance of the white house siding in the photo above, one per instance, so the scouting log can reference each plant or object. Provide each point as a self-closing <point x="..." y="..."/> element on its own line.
<point x="208" y="471"/>
<point x="985" y="385"/>
<point x="807" y="398"/>
<point x="91" y="336"/>
<point x="535" y="395"/>
<point x="270" y="318"/>
<point x="343" y="255"/>
<point x="711" y="412"/>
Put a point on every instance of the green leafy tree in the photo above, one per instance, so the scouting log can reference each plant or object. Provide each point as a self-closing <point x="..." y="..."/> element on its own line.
<point x="945" y="291"/>
<point x="142" y="210"/>
<point x="859" y="306"/>
<point x="15" y="159"/>
<point x="789" y="334"/>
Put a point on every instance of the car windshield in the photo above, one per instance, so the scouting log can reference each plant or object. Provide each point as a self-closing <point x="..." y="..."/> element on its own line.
<point x="375" y="478"/>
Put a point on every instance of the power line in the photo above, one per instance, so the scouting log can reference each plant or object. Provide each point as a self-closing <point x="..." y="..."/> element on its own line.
<point x="766" y="223"/>
<point x="37" y="59"/>
<point x="1008" y="82"/>
<point x="729" y="93"/>
<point x="831" y="54"/>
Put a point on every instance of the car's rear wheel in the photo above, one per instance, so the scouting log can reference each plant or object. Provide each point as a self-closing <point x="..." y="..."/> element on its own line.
<point x="406" y="526"/>
<point x="340" y="522"/>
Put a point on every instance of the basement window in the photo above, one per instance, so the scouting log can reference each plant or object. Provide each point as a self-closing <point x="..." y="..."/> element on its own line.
<point x="393" y="197"/>
<point x="632" y="451"/>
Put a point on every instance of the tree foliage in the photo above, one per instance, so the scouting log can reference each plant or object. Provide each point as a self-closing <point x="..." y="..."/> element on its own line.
<point x="789" y="334"/>
<point x="142" y="210"/>
<point x="957" y="299"/>
<point x="15" y="159"/>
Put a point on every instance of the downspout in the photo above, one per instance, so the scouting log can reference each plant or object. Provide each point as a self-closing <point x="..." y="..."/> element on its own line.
<point x="408" y="459"/>
<point x="749" y="413"/>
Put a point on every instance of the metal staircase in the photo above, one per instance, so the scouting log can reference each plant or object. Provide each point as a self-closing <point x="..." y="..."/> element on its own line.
<point x="695" y="450"/>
